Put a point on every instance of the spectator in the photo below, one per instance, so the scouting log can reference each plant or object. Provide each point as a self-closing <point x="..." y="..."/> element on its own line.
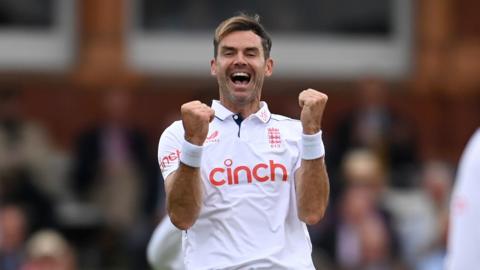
<point x="373" y="124"/>
<point x="437" y="179"/>
<point x="13" y="233"/>
<point x="361" y="233"/>
<point x="48" y="250"/>
<point x="115" y="172"/>
<point x="25" y="155"/>
<point x="421" y="216"/>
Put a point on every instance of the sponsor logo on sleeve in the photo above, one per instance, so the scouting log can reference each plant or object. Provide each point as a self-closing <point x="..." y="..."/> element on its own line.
<point x="169" y="159"/>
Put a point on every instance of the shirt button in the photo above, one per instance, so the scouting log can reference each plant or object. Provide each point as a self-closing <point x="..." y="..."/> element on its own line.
<point x="235" y="117"/>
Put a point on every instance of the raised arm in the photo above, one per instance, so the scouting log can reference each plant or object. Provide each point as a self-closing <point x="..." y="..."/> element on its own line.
<point x="183" y="187"/>
<point x="312" y="184"/>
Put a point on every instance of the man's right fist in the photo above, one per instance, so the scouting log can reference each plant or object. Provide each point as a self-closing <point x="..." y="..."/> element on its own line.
<point x="195" y="117"/>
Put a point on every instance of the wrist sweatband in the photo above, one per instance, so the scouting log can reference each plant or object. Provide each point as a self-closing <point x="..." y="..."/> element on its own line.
<point x="312" y="146"/>
<point x="191" y="154"/>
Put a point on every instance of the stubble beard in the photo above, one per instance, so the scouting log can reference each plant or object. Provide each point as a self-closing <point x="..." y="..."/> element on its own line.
<point x="228" y="93"/>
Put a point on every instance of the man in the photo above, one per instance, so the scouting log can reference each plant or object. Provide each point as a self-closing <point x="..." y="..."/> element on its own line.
<point x="49" y="250"/>
<point x="464" y="233"/>
<point x="14" y="226"/>
<point x="114" y="172"/>
<point x="242" y="182"/>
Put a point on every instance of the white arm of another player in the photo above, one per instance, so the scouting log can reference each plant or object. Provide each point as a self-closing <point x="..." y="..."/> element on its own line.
<point x="164" y="250"/>
<point x="464" y="233"/>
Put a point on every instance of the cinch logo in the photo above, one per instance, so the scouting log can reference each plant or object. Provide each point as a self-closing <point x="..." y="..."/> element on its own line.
<point x="166" y="160"/>
<point x="261" y="172"/>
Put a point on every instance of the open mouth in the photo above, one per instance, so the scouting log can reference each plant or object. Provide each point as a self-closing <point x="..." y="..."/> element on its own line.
<point x="240" y="78"/>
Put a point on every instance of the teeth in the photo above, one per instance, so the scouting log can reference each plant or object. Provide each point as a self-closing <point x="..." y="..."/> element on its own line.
<point x="240" y="77"/>
<point x="240" y="74"/>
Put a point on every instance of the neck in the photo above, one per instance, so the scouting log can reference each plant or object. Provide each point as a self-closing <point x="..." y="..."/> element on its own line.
<point x="244" y="109"/>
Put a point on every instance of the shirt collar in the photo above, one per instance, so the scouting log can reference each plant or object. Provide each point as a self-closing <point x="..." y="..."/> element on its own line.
<point x="222" y="113"/>
<point x="264" y="113"/>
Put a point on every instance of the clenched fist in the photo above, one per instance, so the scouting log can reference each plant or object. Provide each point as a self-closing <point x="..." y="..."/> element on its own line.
<point x="195" y="117"/>
<point x="313" y="104"/>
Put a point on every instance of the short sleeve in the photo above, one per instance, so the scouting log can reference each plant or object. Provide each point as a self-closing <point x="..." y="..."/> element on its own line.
<point x="169" y="148"/>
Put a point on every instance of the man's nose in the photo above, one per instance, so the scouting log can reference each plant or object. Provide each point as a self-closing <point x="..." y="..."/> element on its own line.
<point x="239" y="59"/>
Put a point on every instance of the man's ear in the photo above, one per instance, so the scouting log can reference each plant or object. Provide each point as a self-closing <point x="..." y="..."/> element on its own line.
<point x="213" y="67"/>
<point x="269" y="67"/>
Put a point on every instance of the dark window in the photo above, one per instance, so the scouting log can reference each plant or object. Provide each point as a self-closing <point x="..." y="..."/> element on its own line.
<point x="335" y="17"/>
<point x="30" y="14"/>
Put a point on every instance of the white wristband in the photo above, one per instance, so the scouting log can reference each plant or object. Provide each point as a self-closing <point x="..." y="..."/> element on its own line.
<point x="312" y="146"/>
<point x="191" y="154"/>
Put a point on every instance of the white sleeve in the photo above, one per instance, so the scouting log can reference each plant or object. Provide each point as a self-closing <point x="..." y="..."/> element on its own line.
<point x="464" y="229"/>
<point x="164" y="251"/>
<point x="169" y="148"/>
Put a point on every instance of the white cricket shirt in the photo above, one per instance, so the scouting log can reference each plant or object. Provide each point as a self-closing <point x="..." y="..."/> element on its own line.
<point x="248" y="219"/>
<point x="464" y="230"/>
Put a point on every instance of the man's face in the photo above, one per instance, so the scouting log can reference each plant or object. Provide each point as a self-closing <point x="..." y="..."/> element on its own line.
<point x="240" y="68"/>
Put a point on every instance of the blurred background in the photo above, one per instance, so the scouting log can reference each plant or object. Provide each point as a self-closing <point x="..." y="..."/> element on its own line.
<point x="87" y="87"/>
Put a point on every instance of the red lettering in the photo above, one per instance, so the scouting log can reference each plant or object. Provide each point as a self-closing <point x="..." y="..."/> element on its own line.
<point x="165" y="161"/>
<point x="228" y="163"/>
<point x="248" y="173"/>
<point x="212" y="177"/>
<point x="274" y="166"/>
<point x="255" y="172"/>
<point x="231" y="175"/>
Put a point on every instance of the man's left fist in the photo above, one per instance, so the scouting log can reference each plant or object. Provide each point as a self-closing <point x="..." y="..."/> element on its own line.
<point x="313" y="104"/>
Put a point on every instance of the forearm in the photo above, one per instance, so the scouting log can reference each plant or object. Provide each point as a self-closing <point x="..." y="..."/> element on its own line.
<point x="312" y="189"/>
<point x="184" y="196"/>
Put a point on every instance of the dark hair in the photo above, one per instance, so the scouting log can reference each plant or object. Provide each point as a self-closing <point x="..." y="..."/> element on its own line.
<point x="242" y="22"/>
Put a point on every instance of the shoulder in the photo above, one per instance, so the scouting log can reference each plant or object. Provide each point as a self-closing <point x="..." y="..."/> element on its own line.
<point x="172" y="133"/>
<point x="286" y="125"/>
<point x="279" y="117"/>
<point x="285" y="120"/>
<point x="176" y="128"/>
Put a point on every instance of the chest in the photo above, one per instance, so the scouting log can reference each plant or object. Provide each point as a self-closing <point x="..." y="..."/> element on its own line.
<point x="250" y="156"/>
